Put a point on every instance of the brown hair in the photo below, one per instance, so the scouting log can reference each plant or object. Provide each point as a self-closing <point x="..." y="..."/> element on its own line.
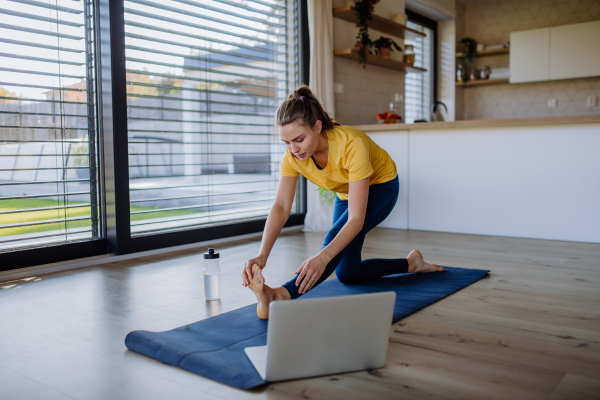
<point x="302" y="104"/>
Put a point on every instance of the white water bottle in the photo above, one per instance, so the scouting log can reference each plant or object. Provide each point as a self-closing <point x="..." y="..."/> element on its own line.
<point x="212" y="275"/>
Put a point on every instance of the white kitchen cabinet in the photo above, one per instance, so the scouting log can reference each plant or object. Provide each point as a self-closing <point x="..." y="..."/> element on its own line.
<point x="532" y="181"/>
<point x="559" y="52"/>
<point x="396" y="144"/>
<point x="537" y="182"/>
<point x="530" y="55"/>
<point x="575" y="50"/>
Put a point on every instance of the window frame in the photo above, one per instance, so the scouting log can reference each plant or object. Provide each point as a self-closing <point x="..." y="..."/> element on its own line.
<point x="113" y="158"/>
<point x="431" y="24"/>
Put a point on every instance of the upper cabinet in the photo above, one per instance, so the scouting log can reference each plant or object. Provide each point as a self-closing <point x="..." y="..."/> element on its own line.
<point x="529" y="55"/>
<point x="575" y="50"/>
<point x="561" y="52"/>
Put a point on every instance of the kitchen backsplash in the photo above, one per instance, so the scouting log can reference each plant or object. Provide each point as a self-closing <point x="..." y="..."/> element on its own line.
<point x="531" y="99"/>
<point x="367" y="92"/>
<point x="490" y="22"/>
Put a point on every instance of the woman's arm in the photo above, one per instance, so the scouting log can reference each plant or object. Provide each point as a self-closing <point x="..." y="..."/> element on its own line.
<point x="313" y="268"/>
<point x="278" y="216"/>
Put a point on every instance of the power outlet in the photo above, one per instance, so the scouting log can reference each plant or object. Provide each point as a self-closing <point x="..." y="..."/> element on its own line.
<point x="338" y="88"/>
<point x="591" y="101"/>
<point x="551" y="103"/>
<point x="398" y="97"/>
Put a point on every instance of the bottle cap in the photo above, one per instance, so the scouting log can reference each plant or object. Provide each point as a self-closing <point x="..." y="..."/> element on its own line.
<point x="211" y="254"/>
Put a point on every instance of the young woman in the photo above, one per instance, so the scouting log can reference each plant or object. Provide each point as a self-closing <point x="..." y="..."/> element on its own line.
<point x="347" y="161"/>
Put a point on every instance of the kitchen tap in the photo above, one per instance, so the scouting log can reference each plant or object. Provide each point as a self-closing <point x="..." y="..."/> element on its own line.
<point x="436" y="113"/>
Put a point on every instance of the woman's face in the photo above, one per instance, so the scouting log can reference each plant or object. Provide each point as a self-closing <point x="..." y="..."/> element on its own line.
<point x="300" y="140"/>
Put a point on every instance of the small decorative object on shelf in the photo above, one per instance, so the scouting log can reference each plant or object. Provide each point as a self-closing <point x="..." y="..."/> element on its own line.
<point x="459" y="74"/>
<point x="484" y="72"/>
<point x="473" y="74"/>
<point x="388" y="118"/>
<point x="364" y="15"/>
<point x="469" y="48"/>
<point x="409" y="54"/>
<point x="384" y="45"/>
<point x="500" y="73"/>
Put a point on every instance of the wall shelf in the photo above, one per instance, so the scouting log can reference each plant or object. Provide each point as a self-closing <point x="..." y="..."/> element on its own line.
<point x="491" y="52"/>
<point x="347" y="13"/>
<point x="351" y="54"/>
<point x="483" y="82"/>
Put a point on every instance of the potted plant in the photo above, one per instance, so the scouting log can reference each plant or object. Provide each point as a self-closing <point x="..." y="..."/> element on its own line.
<point x="384" y="45"/>
<point x="364" y="15"/>
<point x="469" y="48"/>
<point x="327" y="196"/>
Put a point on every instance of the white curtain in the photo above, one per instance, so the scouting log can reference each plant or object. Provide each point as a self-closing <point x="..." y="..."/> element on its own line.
<point x="319" y="214"/>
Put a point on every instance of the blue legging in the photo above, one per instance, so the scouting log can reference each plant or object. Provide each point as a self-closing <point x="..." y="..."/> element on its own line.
<point x="347" y="264"/>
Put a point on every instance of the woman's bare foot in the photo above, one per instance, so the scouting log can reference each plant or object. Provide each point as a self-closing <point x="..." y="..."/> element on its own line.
<point x="265" y="294"/>
<point x="417" y="264"/>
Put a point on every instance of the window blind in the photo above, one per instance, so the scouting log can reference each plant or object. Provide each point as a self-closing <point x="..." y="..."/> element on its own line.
<point x="419" y="86"/>
<point x="204" y="81"/>
<point x="48" y="137"/>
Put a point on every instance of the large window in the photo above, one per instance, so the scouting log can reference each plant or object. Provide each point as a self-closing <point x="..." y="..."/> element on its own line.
<point x="128" y="125"/>
<point x="420" y="87"/>
<point x="204" y="80"/>
<point x="48" y="137"/>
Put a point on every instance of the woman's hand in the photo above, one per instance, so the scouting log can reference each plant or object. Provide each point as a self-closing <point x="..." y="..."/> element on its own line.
<point x="309" y="272"/>
<point x="260" y="260"/>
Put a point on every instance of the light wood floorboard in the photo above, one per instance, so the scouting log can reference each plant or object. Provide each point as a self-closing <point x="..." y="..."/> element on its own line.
<point x="530" y="330"/>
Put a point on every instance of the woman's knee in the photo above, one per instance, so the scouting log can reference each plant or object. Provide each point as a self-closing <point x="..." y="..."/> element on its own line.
<point x="346" y="276"/>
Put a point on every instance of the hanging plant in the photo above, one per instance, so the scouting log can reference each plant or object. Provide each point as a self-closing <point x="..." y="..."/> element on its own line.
<point x="469" y="48"/>
<point x="364" y="16"/>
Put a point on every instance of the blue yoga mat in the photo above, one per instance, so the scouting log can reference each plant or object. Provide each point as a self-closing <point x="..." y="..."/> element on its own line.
<point x="214" y="347"/>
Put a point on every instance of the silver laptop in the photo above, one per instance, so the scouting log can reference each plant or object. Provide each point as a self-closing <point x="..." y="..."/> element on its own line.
<point x="330" y="335"/>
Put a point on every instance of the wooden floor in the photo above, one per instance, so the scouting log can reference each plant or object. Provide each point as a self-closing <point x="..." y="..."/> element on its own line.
<point x="531" y="330"/>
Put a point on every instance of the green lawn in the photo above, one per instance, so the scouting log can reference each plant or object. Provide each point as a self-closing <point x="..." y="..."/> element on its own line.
<point x="43" y="215"/>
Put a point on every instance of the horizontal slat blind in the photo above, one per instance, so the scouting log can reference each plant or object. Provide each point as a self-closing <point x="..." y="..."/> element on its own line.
<point x="419" y="86"/>
<point x="204" y="80"/>
<point x="48" y="190"/>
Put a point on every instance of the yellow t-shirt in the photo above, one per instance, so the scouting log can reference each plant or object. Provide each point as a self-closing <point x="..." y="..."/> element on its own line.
<point x="352" y="156"/>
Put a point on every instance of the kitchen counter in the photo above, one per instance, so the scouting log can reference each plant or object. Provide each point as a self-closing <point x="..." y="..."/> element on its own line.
<point x="532" y="178"/>
<point x="567" y="119"/>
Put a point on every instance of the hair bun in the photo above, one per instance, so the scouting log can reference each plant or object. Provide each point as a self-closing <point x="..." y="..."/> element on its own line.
<point x="309" y="110"/>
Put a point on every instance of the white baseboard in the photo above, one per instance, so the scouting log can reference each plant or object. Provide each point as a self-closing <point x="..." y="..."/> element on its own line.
<point x="110" y="258"/>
